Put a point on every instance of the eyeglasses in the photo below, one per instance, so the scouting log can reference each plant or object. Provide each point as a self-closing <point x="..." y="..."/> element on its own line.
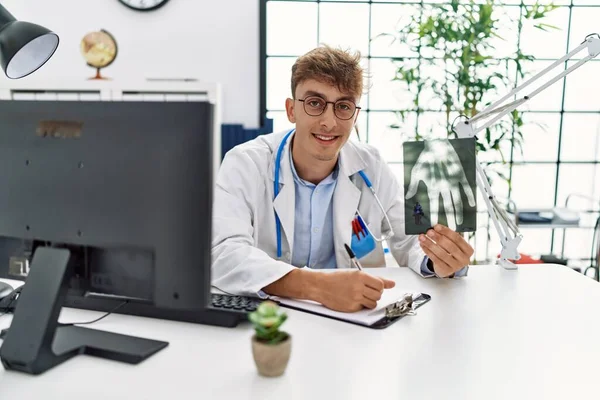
<point x="315" y="106"/>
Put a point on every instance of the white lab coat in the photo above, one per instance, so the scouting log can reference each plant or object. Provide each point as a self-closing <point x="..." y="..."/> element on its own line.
<point x="244" y="249"/>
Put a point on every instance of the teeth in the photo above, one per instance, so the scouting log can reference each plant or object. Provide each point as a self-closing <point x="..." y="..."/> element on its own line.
<point x="325" y="137"/>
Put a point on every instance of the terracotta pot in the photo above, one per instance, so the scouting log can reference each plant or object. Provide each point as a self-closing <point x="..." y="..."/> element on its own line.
<point x="271" y="359"/>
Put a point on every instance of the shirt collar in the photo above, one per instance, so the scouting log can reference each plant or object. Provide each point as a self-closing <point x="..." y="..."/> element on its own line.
<point x="328" y="180"/>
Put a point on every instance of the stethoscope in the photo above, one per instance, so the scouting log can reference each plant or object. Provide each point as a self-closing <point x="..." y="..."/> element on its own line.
<point x="362" y="175"/>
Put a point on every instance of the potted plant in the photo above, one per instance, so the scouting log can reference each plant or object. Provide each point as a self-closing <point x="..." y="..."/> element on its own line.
<point x="457" y="41"/>
<point x="271" y="347"/>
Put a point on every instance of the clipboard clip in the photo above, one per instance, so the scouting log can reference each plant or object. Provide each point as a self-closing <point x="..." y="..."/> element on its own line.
<point x="403" y="307"/>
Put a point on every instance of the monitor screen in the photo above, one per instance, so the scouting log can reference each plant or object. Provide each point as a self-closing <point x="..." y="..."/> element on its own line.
<point x="125" y="186"/>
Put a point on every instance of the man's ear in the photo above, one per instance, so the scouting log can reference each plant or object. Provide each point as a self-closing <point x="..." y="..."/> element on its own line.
<point x="289" y="109"/>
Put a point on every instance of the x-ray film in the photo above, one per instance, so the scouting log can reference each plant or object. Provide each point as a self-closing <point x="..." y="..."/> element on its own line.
<point x="439" y="185"/>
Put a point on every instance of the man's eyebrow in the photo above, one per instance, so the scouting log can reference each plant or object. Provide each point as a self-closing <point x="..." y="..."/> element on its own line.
<point x="314" y="93"/>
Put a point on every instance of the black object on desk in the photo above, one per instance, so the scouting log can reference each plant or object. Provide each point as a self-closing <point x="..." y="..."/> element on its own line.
<point x="552" y="259"/>
<point x="531" y="217"/>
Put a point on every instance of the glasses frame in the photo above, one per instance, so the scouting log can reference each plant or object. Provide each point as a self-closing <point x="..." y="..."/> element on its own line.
<point x="333" y="103"/>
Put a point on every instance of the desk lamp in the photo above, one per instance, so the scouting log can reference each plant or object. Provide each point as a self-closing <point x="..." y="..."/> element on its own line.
<point x="24" y="47"/>
<point x="507" y="229"/>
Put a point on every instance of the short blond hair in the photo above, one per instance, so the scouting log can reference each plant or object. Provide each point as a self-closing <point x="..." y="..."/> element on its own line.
<point x="336" y="67"/>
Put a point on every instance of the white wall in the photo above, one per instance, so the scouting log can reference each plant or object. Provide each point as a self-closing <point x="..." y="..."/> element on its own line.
<point x="212" y="40"/>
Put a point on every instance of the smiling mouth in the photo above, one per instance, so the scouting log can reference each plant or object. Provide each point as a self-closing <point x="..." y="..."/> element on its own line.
<point x="324" y="139"/>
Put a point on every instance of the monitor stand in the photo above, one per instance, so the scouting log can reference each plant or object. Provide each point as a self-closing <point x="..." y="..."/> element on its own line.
<point x="35" y="342"/>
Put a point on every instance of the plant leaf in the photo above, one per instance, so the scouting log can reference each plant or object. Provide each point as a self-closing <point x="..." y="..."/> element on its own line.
<point x="457" y="39"/>
<point x="545" y="27"/>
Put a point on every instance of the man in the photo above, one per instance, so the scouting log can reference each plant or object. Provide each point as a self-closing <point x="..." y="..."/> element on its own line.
<point x="285" y="204"/>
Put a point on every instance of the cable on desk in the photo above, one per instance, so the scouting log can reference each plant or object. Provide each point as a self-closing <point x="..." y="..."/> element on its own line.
<point x="97" y="319"/>
<point x="3" y="332"/>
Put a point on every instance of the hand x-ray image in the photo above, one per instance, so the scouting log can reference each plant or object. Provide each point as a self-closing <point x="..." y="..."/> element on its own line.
<point x="439" y="185"/>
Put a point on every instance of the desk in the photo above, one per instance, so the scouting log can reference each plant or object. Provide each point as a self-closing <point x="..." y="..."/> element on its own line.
<point x="533" y="333"/>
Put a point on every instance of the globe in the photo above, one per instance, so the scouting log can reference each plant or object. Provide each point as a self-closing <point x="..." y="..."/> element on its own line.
<point x="99" y="49"/>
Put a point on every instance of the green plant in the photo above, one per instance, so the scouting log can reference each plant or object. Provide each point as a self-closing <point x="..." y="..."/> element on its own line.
<point x="456" y="41"/>
<point x="267" y="319"/>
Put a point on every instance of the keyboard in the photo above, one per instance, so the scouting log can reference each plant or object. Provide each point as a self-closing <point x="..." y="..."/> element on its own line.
<point x="235" y="303"/>
<point x="225" y="311"/>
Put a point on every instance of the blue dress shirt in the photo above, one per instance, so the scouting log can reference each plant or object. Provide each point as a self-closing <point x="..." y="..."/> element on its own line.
<point x="428" y="272"/>
<point x="313" y="222"/>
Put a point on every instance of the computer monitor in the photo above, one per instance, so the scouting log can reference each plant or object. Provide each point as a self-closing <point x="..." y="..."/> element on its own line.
<point x="105" y="202"/>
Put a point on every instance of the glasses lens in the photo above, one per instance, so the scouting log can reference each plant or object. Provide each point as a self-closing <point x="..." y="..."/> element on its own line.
<point x="314" y="105"/>
<point x="344" y="109"/>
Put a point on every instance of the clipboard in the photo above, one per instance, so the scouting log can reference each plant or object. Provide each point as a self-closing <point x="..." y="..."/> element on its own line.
<point x="390" y="313"/>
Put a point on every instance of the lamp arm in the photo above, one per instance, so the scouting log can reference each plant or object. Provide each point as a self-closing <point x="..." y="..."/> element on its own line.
<point x="591" y="43"/>
<point x="507" y="229"/>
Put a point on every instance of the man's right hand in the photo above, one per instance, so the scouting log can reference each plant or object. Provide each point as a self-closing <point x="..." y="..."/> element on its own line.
<point x="343" y="290"/>
<point x="350" y="291"/>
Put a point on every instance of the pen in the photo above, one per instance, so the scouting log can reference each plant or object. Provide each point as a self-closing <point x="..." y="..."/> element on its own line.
<point x="353" y="258"/>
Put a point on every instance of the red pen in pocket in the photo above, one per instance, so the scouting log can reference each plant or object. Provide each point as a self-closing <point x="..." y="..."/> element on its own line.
<point x="355" y="229"/>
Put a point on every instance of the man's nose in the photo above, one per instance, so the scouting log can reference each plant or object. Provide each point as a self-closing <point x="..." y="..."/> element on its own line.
<point x="328" y="118"/>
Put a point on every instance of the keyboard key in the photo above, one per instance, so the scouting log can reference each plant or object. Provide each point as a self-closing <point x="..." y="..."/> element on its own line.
<point x="234" y="303"/>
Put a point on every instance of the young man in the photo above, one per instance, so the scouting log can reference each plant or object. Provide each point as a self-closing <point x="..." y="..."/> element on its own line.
<point x="286" y="204"/>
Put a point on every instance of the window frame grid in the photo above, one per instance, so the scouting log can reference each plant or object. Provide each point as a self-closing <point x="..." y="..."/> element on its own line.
<point x="367" y="111"/>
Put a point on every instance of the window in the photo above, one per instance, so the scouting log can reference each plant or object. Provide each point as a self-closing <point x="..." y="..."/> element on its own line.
<point x="561" y="151"/>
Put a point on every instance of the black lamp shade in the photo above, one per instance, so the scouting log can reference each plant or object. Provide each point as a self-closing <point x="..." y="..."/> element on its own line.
<point x="24" y="47"/>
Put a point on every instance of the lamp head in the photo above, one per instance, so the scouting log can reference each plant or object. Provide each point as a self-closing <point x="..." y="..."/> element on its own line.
<point x="24" y="47"/>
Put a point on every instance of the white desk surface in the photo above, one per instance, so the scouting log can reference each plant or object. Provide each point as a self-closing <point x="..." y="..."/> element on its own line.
<point x="533" y="333"/>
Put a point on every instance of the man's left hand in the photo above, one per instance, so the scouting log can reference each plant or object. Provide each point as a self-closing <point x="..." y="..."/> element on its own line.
<point x="448" y="250"/>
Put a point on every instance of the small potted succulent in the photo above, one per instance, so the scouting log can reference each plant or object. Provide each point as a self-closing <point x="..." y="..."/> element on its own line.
<point x="271" y="347"/>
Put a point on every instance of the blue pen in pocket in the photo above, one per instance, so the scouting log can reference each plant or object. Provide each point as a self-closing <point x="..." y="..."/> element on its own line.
<point x="362" y="241"/>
